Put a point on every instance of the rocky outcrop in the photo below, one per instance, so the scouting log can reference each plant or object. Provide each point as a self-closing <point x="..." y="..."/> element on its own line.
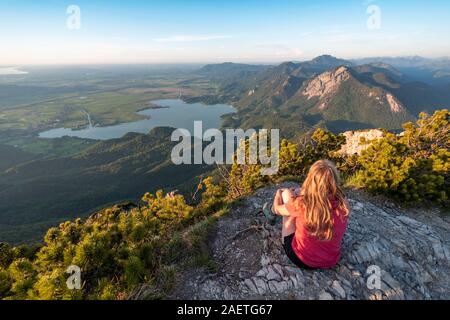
<point x="326" y="83"/>
<point x="388" y="253"/>
<point x="395" y="105"/>
<point x="358" y="141"/>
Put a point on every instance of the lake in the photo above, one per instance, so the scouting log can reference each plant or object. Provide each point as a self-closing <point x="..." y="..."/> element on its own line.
<point x="173" y="113"/>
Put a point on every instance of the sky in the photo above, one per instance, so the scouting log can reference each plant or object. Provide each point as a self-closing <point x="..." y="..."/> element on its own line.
<point x="189" y="31"/>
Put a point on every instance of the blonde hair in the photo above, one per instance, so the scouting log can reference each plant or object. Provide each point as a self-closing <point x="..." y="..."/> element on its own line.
<point x="321" y="186"/>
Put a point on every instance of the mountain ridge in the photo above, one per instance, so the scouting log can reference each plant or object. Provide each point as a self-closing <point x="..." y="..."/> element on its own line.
<point x="387" y="96"/>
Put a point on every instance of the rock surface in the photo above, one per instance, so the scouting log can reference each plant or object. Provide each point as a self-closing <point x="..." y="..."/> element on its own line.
<point x="408" y="249"/>
<point x="353" y="143"/>
<point x="327" y="83"/>
<point x="395" y="105"/>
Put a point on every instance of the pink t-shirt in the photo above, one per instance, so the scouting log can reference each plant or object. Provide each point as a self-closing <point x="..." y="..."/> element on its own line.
<point x="312" y="251"/>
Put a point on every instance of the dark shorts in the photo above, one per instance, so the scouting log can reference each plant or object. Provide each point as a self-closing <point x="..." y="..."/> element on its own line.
<point x="287" y="245"/>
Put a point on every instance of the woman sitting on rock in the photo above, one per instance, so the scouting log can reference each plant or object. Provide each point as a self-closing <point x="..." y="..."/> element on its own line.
<point x="314" y="222"/>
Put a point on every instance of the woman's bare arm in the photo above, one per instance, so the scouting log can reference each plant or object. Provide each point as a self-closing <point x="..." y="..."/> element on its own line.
<point x="282" y="211"/>
<point x="278" y="205"/>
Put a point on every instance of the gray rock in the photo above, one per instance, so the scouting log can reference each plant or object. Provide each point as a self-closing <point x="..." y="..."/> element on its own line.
<point x="338" y="289"/>
<point x="261" y="285"/>
<point x="278" y="269"/>
<point x="263" y="272"/>
<point x="273" y="275"/>
<point x="265" y="260"/>
<point x="278" y="286"/>
<point x="251" y="285"/>
<point x="323" y="295"/>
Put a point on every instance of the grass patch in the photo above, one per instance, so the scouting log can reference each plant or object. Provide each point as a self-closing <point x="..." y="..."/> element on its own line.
<point x="195" y="241"/>
<point x="187" y="249"/>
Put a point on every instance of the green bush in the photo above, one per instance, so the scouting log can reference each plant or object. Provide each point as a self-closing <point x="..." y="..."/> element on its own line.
<point x="413" y="166"/>
<point x="294" y="161"/>
<point x="116" y="250"/>
<point x="5" y="282"/>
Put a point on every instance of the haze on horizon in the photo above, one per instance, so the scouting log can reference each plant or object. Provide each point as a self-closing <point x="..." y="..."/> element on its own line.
<point x="113" y="32"/>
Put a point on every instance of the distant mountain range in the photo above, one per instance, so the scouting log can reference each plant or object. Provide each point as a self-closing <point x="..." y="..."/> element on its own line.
<point x="431" y="71"/>
<point x="334" y="93"/>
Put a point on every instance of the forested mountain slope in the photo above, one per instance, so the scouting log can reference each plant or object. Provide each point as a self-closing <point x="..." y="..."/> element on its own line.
<point x="41" y="193"/>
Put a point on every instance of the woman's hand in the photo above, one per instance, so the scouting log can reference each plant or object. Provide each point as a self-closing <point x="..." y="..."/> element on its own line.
<point x="278" y="200"/>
